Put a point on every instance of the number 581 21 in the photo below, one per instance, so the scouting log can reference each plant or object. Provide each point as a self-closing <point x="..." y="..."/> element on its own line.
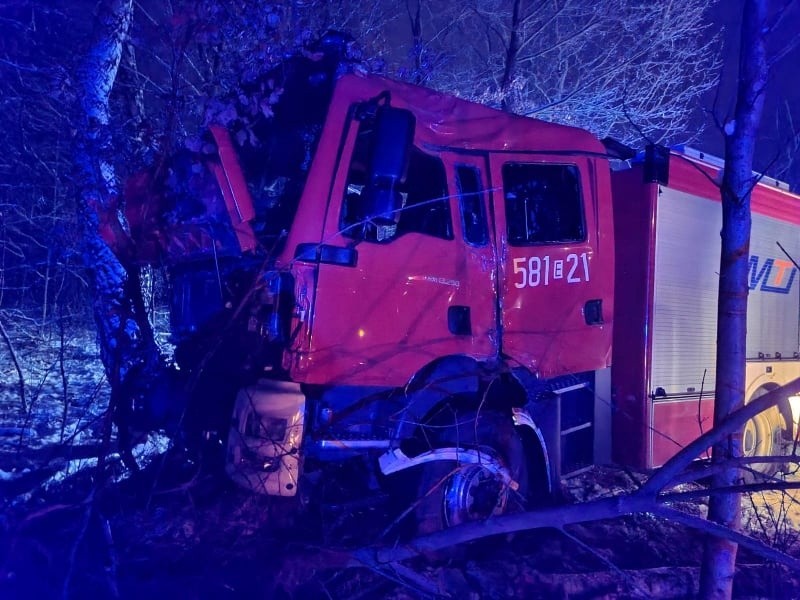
<point x="542" y="270"/>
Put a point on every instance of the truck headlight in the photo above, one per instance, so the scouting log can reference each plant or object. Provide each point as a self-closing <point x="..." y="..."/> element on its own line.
<point x="269" y="428"/>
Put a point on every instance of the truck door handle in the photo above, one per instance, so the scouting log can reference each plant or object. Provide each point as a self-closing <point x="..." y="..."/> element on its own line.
<point x="458" y="320"/>
<point x="593" y="312"/>
<point x="326" y="254"/>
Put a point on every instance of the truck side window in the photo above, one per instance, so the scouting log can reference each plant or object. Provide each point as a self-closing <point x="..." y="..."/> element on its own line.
<point x="425" y="201"/>
<point x="543" y="203"/>
<point x="473" y="211"/>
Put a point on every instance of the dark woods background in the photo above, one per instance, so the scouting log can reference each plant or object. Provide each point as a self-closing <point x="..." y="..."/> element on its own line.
<point x="92" y="93"/>
<point x="185" y="63"/>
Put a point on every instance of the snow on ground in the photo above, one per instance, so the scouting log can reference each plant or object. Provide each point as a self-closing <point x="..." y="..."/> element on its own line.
<point x="64" y="394"/>
<point x="53" y="428"/>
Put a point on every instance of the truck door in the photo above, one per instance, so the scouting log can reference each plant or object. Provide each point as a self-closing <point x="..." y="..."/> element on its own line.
<point x="555" y="276"/>
<point x="412" y="291"/>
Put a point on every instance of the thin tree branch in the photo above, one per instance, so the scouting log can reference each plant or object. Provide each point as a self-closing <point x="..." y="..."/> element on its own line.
<point x="719" y="531"/>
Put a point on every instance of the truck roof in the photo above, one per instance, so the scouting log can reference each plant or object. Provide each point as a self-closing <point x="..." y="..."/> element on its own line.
<point x="445" y="121"/>
<point x="693" y="175"/>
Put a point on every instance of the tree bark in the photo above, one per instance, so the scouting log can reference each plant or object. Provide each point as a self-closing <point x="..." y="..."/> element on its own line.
<point x="126" y="347"/>
<point x="510" y="59"/>
<point x="719" y="561"/>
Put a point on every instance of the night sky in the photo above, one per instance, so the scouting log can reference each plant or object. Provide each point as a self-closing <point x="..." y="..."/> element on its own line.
<point x="783" y="90"/>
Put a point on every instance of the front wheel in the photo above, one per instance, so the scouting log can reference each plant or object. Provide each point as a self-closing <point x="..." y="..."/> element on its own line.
<point x="452" y="492"/>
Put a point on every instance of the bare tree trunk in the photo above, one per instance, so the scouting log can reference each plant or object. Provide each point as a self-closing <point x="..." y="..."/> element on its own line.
<point x="510" y="58"/>
<point x="127" y="348"/>
<point x="415" y="20"/>
<point x="719" y="561"/>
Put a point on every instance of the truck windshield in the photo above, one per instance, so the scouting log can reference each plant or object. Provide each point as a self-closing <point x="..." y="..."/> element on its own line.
<point x="275" y="166"/>
<point x="425" y="202"/>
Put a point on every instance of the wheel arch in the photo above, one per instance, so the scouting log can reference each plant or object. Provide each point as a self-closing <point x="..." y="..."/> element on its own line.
<point x="465" y="384"/>
<point x="759" y="388"/>
<point x="436" y="383"/>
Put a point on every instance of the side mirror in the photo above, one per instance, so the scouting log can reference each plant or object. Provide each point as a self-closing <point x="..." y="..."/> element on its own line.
<point x="656" y="164"/>
<point x="391" y="147"/>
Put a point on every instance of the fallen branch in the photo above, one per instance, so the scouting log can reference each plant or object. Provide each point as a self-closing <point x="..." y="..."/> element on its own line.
<point x="595" y="510"/>
<point x="707" y="470"/>
<point x="552" y="517"/>
<point x="767" y="486"/>
<point x="732" y="423"/>
<point x="720" y="531"/>
<point x="647" y="499"/>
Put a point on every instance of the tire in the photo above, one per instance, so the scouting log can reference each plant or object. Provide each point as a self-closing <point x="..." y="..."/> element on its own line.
<point x="451" y="493"/>
<point x="762" y="437"/>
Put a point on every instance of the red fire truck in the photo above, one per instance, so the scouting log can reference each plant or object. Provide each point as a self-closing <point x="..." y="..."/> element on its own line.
<point x="432" y="287"/>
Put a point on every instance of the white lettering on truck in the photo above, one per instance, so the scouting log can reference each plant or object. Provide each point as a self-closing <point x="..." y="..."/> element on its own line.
<point x="543" y="270"/>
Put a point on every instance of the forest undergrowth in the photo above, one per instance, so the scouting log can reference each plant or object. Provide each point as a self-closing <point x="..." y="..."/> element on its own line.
<point x="178" y="528"/>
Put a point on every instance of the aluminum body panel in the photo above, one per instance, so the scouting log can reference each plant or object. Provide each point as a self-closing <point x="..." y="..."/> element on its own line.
<point x="686" y="286"/>
<point x="668" y="248"/>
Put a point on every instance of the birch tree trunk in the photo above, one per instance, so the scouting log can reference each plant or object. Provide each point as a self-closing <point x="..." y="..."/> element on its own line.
<point x="126" y="346"/>
<point x="719" y="561"/>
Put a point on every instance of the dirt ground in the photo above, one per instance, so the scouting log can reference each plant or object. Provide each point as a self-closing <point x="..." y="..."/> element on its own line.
<point x="176" y="530"/>
<point x="163" y="533"/>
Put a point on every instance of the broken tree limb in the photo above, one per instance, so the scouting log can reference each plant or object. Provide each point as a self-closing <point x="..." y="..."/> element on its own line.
<point x="557" y="516"/>
<point x="606" y="508"/>
<point x="647" y="499"/>
<point x="723" y="532"/>
<point x="734" y="422"/>
<point x="767" y="486"/>
<point x="707" y="470"/>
